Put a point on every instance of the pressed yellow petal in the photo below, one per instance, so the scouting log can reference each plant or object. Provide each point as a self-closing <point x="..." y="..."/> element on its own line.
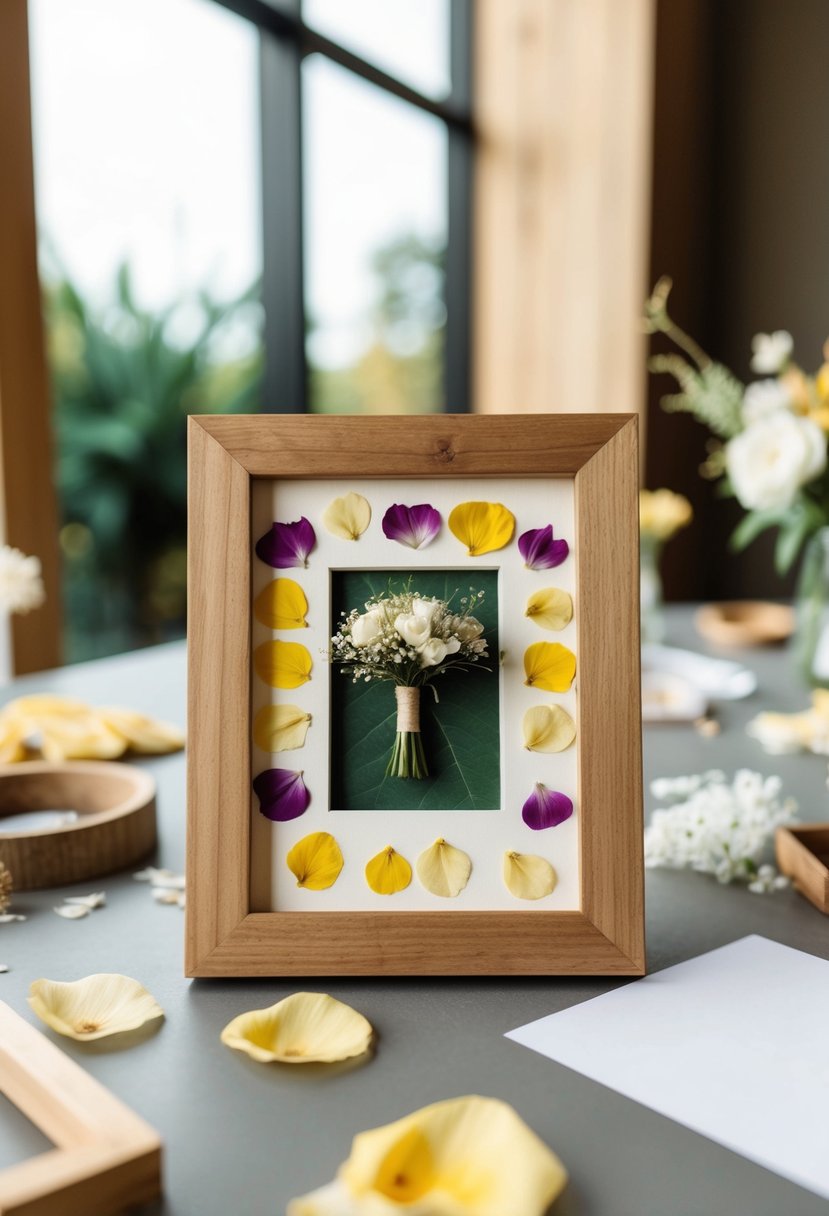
<point x="315" y="861"/>
<point x="347" y="517"/>
<point x="551" y="608"/>
<point x="550" y="666"/>
<point x="281" y="605"/>
<point x="482" y="526"/>
<point x="388" y="872"/>
<point x="443" y="869"/>
<point x="528" y="876"/>
<point x="283" y="664"/>
<point x="548" y="728"/>
<point x="94" y="1007"/>
<point x="144" y="735"/>
<point x="305" y="1028"/>
<point x="83" y="736"/>
<point x="280" y="728"/>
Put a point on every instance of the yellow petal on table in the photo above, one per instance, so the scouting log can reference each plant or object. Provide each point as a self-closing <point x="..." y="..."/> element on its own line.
<point x="315" y="861"/>
<point x="388" y="872"/>
<point x="80" y="737"/>
<point x="94" y="1007"/>
<point x="12" y="736"/>
<point x="550" y="608"/>
<point x="280" y="728"/>
<point x="146" y="736"/>
<point x="482" y="526"/>
<point x="467" y="1156"/>
<point x="443" y="869"/>
<point x="283" y="664"/>
<point x="550" y="666"/>
<point x="47" y="703"/>
<point x="305" y="1028"/>
<point x="281" y="605"/>
<point x="548" y="728"/>
<point x="528" y="876"/>
<point x="347" y="517"/>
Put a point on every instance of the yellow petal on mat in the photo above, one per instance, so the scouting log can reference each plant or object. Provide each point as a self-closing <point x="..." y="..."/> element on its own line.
<point x="388" y="872"/>
<point x="347" y="517"/>
<point x="146" y="736"/>
<point x="550" y="666"/>
<point x="281" y="605"/>
<point x="443" y="869"/>
<point x="305" y="1028"/>
<point x="94" y="1007"/>
<point x="280" y="728"/>
<point x="548" y="728"/>
<point x="315" y="861"/>
<point x="283" y="664"/>
<point x="528" y="876"/>
<point x="550" y="608"/>
<point x="482" y="526"/>
<point x="462" y="1157"/>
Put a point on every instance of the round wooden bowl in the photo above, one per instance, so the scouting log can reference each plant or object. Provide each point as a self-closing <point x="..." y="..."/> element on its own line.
<point x="745" y="623"/>
<point x="115" y="826"/>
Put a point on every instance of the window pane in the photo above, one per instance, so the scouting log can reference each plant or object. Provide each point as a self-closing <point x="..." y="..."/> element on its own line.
<point x="375" y="233"/>
<point x="407" y="38"/>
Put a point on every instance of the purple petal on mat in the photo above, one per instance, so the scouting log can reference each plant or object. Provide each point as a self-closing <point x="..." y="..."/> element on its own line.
<point x="413" y="526"/>
<point x="540" y="551"/>
<point x="287" y="544"/>
<point x="546" y="808"/>
<point x="282" y="794"/>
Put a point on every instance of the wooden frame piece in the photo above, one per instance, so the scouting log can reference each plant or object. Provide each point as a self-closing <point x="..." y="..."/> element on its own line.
<point x="223" y="937"/>
<point x="105" y="1158"/>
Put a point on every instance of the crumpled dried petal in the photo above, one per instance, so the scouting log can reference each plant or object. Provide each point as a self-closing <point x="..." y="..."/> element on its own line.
<point x="96" y="900"/>
<point x="550" y="666"/>
<point x="94" y="1007"/>
<point x="71" y="911"/>
<point x="550" y="608"/>
<point x="280" y="728"/>
<point x="83" y="736"/>
<point x="305" y="1028"/>
<point x="282" y="794"/>
<point x="546" y="808"/>
<point x="443" y="869"/>
<point x="528" y="876"/>
<point x="315" y="861"/>
<point x="143" y="735"/>
<point x="414" y="526"/>
<point x="347" y="517"/>
<point x="548" y="728"/>
<point x="482" y="526"/>
<point x="281" y="605"/>
<point x="62" y="728"/>
<point x="388" y="872"/>
<point x="286" y="545"/>
<point x="463" y="1157"/>
<point x="540" y="551"/>
<point x="283" y="664"/>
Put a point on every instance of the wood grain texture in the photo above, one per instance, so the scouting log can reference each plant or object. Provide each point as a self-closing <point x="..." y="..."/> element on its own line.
<point x="106" y="1158"/>
<point x="803" y="854"/>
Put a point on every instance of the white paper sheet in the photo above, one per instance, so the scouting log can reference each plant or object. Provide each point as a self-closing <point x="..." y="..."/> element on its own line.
<point x="732" y="1044"/>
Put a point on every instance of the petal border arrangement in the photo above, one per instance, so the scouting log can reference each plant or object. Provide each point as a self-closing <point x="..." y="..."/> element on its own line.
<point x="315" y="861"/>
<point x="540" y="551"/>
<point x="287" y="545"/>
<point x="482" y="526"/>
<point x="415" y="526"/>
<point x="282" y="794"/>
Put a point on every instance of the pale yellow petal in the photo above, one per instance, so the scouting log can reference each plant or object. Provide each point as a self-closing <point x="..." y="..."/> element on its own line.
<point x="83" y="736"/>
<point x="305" y="1028"/>
<point x="482" y="526"/>
<point x="443" y="869"/>
<point x="388" y="872"/>
<point x="281" y="605"/>
<point x="94" y="1007"/>
<point x="347" y="517"/>
<point x="47" y="703"/>
<point x="550" y="666"/>
<point x="280" y="728"/>
<point x="146" y="736"/>
<point x="528" y="876"/>
<point x="548" y="728"/>
<point x="12" y="736"/>
<point x="315" y="861"/>
<point x="283" y="664"/>
<point x="551" y="608"/>
<point x="71" y="911"/>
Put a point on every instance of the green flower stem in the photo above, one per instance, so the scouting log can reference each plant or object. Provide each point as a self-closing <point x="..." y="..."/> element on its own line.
<point x="408" y="758"/>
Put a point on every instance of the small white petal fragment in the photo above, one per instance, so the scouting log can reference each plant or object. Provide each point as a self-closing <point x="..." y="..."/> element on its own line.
<point x="96" y="900"/>
<point x="72" y="911"/>
<point x="443" y="870"/>
<point x="8" y="917"/>
<point x="166" y="895"/>
<point x="161" y="878"/>
<point x="93" y="1007"/>
<point x="305" y="1028"/>
<point x="3" y="968"/>
<point x="347" y="517"/>
<point x="528" y="876"/>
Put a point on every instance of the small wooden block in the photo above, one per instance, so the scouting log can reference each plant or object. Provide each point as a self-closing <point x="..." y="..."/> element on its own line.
<point x="803" y="855"/>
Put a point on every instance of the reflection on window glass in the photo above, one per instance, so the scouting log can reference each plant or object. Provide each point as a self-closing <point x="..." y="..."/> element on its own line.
<point x="375" y="235"/>
<point x="406" y="38"/>
<point x="147" y="183"/>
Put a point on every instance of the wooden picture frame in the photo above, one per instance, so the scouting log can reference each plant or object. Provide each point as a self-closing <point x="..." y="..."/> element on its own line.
<point x="599" y="453"/>
<point x="105" y="1157"/>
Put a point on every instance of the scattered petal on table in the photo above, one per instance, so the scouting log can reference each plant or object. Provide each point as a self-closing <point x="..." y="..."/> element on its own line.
<point x="280" y="728"/>
<point x="528" y="876"/>
<point x="550" y="608"/>
<point x="548" y="728"/>
<point x="347" y="517"/>
<point x="388" y="872"/>
<point x="6" y="918"/>
<point x="482" y="526"/>
<point x="161" y="878"/>
<point x="94" y="1007"/>
<point x="4" y="967"/>
<point x="550" y="666"/>
<point x="282" y="794"/>
<point x="315" y="861"/>
<point x="143" y="735"/>
<point x="413" y="526"/>
<point x="540" y="551"/>
<point x="283" y="664"/>
<point x="167" y="896"/>
<point x="281" y="605"/>
<point x="286" y="545"/>
<point x="444" y="870"/>
<point x="72" y="911"/>
<point x="305" y="1028"/>
<point x="546" y="808"/>
<point x="96" y="900"/>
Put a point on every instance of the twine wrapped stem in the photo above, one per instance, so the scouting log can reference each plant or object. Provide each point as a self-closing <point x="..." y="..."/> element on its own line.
<point x="408" y="709"/>
<point x="408" y="758"/>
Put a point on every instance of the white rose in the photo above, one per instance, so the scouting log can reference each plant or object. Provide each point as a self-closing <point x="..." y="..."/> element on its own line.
<point x="765" y="397"/>
<point x="467" y="628"/>
<point x="770" y="460"/>
<point x="771" y="351"/>
<point x="452" y="645"/>
<point x="432" y="652"/>
<point x="367" y="628"/>
<point x="413" y="629"/>
<point x="424" y="609"/>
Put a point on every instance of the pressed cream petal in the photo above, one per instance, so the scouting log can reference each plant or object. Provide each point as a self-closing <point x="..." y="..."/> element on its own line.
<point x="315" y="861"/>
<point x="444" y="870"/>
<point x="388" y="872"/>
<point x="482" y="526"/>
<point x="551" y="608"/>
<point x="528" y="876"/>
<point x="305" y="1028"/>
<point x="93" y="1007"/>
<point x="347" y="517"/>
<point x="548" y="728"/>
<point x="283" y="664"/>
<point x="281" y="605"/>
<point x="550" y="666"/>
<point x="280" y="728"/>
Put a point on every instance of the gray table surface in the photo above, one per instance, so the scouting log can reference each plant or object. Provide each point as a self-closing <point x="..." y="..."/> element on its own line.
<point x="242" y="1138"/>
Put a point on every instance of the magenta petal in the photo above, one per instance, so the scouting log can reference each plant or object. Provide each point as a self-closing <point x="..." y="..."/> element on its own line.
<point x="282" y="794"/>
<point x="287" y="544"/>
<point x="546" y="808"/>
<point x="540" y="551"/>
<point x="413" y="526"/>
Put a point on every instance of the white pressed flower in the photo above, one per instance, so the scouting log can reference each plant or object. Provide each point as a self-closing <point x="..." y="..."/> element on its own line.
<point x="432" y="652"/>
<point x="770" y="352"/>
<point x="21" y="584"/>
<point x="367" y="628"/>
<point x="770" y="460"/>
<point x="765" y="397"/>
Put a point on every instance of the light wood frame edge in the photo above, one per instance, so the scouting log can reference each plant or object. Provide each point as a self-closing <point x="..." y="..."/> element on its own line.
<point x="222" y="937"/>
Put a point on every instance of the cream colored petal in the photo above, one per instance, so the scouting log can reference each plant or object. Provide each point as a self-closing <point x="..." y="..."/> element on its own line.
<point x="551" y="608"/>
<point x="164" y="895"/>
<point x="94" y="1007"/>
<point x="528" y="876"/>
<point x="548" y="728"/>
<point x="12" y="740"/>
<point x="146" y="736"/>
<point x="161" y="878"/>
<point x="96" y="900"/>
<point x="81" y="736"/>
<point x="3" y="968"/>
<point x="281" y="605"/>
<point x="443" y="869"/>
<point x="347" y="517"/>
<point x="280" y="728"/>
<point x="72" y="911"/>
<point x="305" y="1028"/>
<point x="47" y="703"/>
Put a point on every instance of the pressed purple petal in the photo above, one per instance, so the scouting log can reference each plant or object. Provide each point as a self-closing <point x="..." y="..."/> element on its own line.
<point x="546" y="808"/>
<point x="413" y="526"/>
<point x="287" y="544"/>
<point x="282" y="794"/>
<point x="540" y="551"/>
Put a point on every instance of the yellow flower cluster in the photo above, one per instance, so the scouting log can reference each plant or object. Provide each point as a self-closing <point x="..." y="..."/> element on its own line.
<point x="662" y="513"/>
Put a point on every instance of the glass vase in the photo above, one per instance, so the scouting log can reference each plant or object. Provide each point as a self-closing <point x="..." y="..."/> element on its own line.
<point x="651" y="604"/>
<point x="811" y="639"/>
